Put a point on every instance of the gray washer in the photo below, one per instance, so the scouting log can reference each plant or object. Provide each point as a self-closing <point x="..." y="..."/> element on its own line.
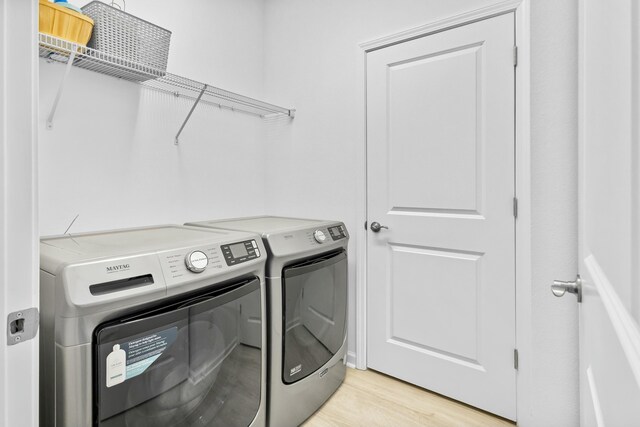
<point x="124" y="281"/>
<point x="307" y="307"/>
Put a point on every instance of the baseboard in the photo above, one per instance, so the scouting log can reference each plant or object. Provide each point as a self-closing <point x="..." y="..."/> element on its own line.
<point x="351" y="359"/>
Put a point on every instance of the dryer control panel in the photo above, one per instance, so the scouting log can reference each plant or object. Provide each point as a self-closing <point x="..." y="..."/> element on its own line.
<point x="236" y="253"/>
<point x="321" y="235"/>
<point x="324" y="235"/>
<point x="337" y="232"/>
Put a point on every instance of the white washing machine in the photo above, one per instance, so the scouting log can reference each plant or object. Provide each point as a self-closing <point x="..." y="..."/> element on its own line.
<point x="157" y="326"/>
<point x="307" y="311"/>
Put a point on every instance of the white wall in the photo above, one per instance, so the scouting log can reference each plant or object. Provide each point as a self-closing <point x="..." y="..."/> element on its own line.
<point x="111" y="157"/>
<point x="312" y="59"/>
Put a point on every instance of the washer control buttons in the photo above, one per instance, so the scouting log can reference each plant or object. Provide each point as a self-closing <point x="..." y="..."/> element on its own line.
<point x="196" y="261"/>
<point x="236" y="253"/>
<point x="319" y="236"/>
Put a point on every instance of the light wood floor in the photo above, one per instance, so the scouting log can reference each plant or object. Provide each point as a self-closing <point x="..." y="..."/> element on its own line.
<point x="368" y="398"/>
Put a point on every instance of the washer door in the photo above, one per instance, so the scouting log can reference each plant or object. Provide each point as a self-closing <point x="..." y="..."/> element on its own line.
<point x="315" y="314"/>
<point x="185" y="364"/>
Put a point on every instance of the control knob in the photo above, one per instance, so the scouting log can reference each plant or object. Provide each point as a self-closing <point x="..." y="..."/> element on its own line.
<point x="196" y="261"/>
<point x="319" y="236"/>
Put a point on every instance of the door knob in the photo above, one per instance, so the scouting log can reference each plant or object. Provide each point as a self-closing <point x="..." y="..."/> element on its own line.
<point x="559" y="288"/>
<point x="375" y="227"/>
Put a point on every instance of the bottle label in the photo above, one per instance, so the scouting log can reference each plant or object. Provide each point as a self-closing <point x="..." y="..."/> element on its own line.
<point x="136" y="356"/>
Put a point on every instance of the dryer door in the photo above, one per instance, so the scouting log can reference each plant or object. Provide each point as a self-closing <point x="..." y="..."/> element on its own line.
<point x="184" y="364"/>
<point x="315" y="314"/>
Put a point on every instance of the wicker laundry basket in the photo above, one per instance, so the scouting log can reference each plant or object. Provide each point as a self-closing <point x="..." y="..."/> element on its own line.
<point x="64" y="23"/>
<point x="128" y="37"/>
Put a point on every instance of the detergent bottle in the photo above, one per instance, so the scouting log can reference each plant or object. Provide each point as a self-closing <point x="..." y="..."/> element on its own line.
<point x="116" y="366"/>
<point x="65" y="3"/>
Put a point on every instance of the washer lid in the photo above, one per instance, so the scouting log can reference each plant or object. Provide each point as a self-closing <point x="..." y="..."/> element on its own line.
<point x="122" y="242"/>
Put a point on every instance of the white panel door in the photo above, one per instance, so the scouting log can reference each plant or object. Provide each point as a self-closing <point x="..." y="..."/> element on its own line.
<point x="610" y="213"/>
<point x="440" y="176"/>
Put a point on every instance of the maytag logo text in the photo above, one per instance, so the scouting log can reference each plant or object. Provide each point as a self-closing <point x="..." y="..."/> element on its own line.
<point x="116" y="268"/>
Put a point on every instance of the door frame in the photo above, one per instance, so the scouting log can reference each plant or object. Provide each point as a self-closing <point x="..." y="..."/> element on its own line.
<point x="19" y="235"/>
<point x="521" y="11"/>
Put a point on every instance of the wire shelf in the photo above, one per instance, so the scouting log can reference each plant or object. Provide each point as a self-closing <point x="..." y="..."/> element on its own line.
<point x="185" y="87"/>
<point x="58" y="50"/>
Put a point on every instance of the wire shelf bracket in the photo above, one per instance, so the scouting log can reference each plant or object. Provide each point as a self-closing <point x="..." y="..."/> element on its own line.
<point x="54" y="49"/>
<point x="56" y="101"/>
<point x="195" y="104"/>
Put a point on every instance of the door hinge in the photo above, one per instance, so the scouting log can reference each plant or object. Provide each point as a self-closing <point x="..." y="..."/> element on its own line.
<point x="515" y="56"/>
<point x="365" y="225"/>
<point x="515" y="358"/>
<point x="515" y="207"/>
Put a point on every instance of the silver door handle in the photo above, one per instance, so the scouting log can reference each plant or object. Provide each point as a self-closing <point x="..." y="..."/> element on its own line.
<point x="375" y="227"/>
<point x="559" y="288"/>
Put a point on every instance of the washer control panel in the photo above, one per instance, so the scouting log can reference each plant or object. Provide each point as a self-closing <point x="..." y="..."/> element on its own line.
<point x="196" y="261"/>
<point x="179" y="265"/>
<point x="319" y="236"/>
<point x="237" y="253"/>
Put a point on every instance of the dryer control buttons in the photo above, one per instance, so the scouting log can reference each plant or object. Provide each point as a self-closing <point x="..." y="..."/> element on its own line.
<point x="196" y="261"/>
<point x="337" y="232"/>
<point x="319" y="236"/>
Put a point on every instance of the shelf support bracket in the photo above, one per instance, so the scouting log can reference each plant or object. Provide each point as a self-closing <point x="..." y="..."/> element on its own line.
<point x="195" y="104"/>
<point x="52" y="113"/>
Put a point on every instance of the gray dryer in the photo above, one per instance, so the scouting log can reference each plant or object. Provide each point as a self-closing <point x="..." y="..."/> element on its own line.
<point x="307" y="311"/>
